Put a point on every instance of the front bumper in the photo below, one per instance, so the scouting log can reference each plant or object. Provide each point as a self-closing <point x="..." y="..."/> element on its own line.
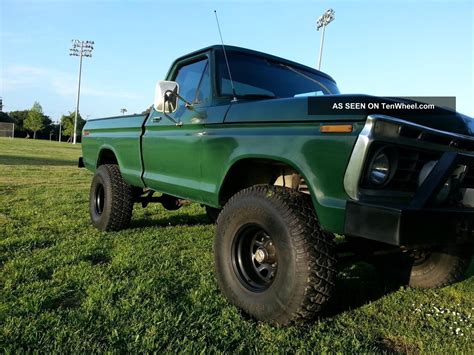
<point x="404" y="225"/>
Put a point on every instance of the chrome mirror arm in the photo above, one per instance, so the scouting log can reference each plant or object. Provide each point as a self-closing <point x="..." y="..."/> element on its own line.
<point x="166" y="95"/>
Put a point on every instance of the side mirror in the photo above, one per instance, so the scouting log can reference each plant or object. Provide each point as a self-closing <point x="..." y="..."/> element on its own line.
<point x="166" y="96"/>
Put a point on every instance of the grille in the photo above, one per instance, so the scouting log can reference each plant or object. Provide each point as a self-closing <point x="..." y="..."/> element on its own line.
<point x="436" y="137"/>
<point x="404" y="181"/>
<point x="410" y="162"/>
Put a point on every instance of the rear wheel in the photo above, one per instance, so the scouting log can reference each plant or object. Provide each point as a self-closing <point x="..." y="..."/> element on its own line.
<point x="110" y="199"/>
<point x="429" y="267"/>
<point x="271" y="257"/>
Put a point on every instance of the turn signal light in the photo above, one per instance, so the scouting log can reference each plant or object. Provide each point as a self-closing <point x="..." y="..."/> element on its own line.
<point x="336" y="128"/>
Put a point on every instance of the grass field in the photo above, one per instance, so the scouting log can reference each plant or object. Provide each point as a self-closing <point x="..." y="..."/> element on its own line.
<point x="67" y="287"/>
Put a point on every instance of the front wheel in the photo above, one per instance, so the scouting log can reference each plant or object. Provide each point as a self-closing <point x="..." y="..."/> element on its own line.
<point x="428" y="267"/>
<point x="271" y="257"/>
<point x="110" y="199"/>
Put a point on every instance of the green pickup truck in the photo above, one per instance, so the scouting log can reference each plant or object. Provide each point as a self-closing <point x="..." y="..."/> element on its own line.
<point x="239" y="132"/>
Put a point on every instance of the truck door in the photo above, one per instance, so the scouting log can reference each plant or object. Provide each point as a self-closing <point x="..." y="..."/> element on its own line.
<point x="171" y="153"/>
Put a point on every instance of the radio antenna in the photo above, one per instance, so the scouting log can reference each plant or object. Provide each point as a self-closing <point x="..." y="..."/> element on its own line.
<point x="226" y="61"/>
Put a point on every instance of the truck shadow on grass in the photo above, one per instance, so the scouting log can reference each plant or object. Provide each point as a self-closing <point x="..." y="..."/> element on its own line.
<point x="360" y="284"/>
<point x="357" y="285"/>
<point x="175" y="220"/>
<point x="22" y="160"/>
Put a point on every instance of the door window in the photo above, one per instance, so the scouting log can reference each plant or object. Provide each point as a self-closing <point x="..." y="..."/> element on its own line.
<point x="194" y="83"/>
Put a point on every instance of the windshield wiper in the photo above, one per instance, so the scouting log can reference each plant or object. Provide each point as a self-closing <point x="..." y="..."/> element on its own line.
<point x="306" y="77"/>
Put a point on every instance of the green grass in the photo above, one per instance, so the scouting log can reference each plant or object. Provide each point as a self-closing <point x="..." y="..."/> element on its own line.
<point x="67" y="287"/>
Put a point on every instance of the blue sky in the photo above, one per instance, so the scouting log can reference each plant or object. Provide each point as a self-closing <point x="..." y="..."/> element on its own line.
<point x="405" y="48"/>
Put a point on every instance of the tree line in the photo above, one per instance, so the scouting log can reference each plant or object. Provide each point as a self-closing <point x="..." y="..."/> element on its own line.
<point x="33" y="123"/>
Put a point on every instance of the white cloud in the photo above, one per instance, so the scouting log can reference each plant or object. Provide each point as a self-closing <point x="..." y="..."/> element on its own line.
<point x="23" y="77"/>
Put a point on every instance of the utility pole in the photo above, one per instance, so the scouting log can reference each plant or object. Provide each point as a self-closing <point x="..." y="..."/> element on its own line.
<point x="324" y="20"/>
<point x="79" y="49"/>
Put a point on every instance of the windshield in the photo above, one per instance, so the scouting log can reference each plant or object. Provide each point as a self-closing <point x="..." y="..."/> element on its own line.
<point x="260" y="77"/>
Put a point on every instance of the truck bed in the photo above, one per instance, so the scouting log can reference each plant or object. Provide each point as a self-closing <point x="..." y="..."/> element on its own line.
<point x="121" y="135"/>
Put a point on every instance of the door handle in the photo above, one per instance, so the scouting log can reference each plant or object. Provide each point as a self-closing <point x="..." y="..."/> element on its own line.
<point x="156" y="119"/>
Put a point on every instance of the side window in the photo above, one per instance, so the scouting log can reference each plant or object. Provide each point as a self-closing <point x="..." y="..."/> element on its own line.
<point x="192" y="77"/>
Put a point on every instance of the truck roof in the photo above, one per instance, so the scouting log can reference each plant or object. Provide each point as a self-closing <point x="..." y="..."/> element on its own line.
<point x="255" y="53"/>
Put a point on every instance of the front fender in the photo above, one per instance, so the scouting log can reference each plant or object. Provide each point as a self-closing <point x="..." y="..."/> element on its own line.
<point x="321" y="159"/>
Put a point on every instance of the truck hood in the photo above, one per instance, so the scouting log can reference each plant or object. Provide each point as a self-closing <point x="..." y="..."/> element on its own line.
<point x="320" y="108"/>
<point x="440" y="118"/>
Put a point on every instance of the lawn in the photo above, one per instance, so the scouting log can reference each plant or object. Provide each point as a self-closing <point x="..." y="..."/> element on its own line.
<point x="67" y="287"/>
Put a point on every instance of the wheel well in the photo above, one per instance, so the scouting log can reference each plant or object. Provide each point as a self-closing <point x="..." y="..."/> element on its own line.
<point x="106" y="156"/>
<point x="250" y="172"/>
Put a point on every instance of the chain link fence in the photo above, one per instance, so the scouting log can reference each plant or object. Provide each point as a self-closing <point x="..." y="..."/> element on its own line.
<point x="7" y="129"/>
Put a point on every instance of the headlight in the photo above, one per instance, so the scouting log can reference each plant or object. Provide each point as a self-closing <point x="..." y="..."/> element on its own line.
<point x="381" y="167"/>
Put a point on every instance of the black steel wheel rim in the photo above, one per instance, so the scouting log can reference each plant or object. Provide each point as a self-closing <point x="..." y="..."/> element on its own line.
<point x="254" y="258"/>
<point x="420" y="256"/>
<point x="99" y="200"/>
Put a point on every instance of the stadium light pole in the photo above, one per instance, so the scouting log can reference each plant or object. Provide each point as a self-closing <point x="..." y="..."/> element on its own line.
<point x="79" y="49"/>
<point x="324" y="20"/>
<point x="59" y="122"/>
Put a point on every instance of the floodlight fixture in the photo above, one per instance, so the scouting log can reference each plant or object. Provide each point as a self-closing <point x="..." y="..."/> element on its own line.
<point x="325" y="19"/>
